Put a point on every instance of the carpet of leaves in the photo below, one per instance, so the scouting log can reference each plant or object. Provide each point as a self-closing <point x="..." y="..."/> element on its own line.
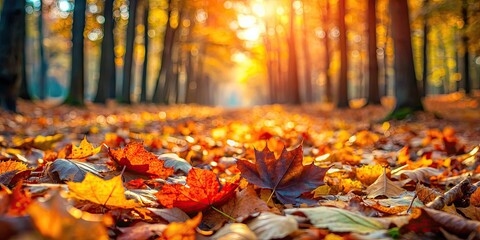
<point x="267" y="172"/>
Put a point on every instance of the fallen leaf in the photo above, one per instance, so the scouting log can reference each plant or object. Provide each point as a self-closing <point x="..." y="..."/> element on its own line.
<point x="9" y="169"/>
<point x="338" y="220"/>
<point x="20" y="200"/>
<point x="368" y="174"/>
<point x="426" y="194"/>
<point x="475" y="198"/>
<point x="384" y="187"/>
<point x="55" y="219"/>
<point x="272" y="226"/>
<point x="46" y="142"/>
<point x="75" y="171"/>
<point x="286" y="175"/>
<point x="182" y="230"/>
<point x="170" y="214"/>
<point x="422" y="174"/>
<point x="135" y="158"/>
<point x="84" y="150"/>
<point x="201" y="191"/>
<point x="172" y="160"/>
<point x="109" y="193"/>
<point x="141" y="231"/>
<point x="238" y="231"/>
<point x="460" y="191"/>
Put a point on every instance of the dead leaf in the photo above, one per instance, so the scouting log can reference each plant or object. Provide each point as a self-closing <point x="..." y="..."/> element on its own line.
<point x="9" y="169"/>
<point x="238" y="231"/>
<point x="272" y="226"/>
<point x="135" y="158"/>
<point x="459" y="191"/>
<point x="141" y="231"/>
<point x="20" y="200"/>
<point x="426" y="194"/>
<point x="202" y="191"/>
<point x="172" y="160"/>
<point x="55" y="219"/>
<point x="75" y="171"/>
<point x="170" y="214"/>
<point x="368" y="174"/>
<point x="286" y="175"/>
<point x="109" y="193"/>
<point x="84" y="150"/>
<point x="182" y="230"/>
<point x="384" y="187"/>
<point x="418" y="175"/>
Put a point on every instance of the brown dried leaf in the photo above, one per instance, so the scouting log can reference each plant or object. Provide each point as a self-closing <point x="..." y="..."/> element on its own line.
<point x="384" y="187"/>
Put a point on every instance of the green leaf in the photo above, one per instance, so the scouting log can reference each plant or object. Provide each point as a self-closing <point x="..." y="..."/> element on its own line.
<point x="339" y="220"/>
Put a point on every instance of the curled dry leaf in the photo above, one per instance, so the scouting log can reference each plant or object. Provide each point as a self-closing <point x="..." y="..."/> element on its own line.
<point x="109" y="193"/>
<point x="135" y="158"/>
<point x="172" y="160"/>
<point x="74" y="171"/>
<point x="287" y="176"/>
<point x="268" y="225"/>
<point x="426" y="194"/>
<point x="418" y="175"/>
<point x="384" y="187"/>
<point x="237" y="231"/>
<point x="202" y="191"/>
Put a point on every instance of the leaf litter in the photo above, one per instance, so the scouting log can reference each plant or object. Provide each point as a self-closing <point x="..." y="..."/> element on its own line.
<point x="192" y="172"/>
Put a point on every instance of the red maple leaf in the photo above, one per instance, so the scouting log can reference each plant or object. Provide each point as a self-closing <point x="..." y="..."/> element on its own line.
<point x="135" y="158"/>
<point x="287" y="176"/>
<point x="201" y="191"/>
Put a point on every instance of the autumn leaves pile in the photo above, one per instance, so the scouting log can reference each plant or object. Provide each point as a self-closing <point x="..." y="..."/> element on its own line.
<point x="336" y="181"/>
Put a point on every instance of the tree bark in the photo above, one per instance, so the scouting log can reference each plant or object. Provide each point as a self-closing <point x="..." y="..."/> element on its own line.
<point x="373" y="89"/>
<point x="127" y="68"/>
<point x="43" y="84"/>
<point x="106" y="82"/>
<point x="77" y="79"/>
<point x="425" y="52"/>
<point x="466" y="56"/>
<point x="23" y="92"/>
<point x="11" y="23"/>
<point x="308" y="62"/>
<point x="292" y="82"/>
<point x="143" y="94"/>
<point x="342" y="98"/>
<point x="406" y="89"/>
<point x="328" y="79"/>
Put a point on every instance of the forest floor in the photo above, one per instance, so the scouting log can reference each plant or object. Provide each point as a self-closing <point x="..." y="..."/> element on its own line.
<point x="326" y="173"/>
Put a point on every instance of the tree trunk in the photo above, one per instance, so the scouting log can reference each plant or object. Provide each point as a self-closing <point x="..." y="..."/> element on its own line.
<point x="425" y="53"/>
<point x="23" y="92"/>
<point x="166" y="61"/>
<point x="373" y="89"/>
<point x="328" y="79"/>
<point x="143" y="94"/>
<point x="466" y="56"/>
<point x="106" y="82"/>
<point x="292" y="82"/>
<point x="127" y="68"/>
<point x="43" y="85"/>
<point x="406" y="89"/>
<point x="11" y="23"/>
<point x="308" y="62"/>
<point x="77" y="79"/>
<point x="342" y="98"/>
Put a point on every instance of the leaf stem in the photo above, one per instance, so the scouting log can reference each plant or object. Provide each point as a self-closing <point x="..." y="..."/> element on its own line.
<point x="223" y="213"/>
<point x="271" y="195"/>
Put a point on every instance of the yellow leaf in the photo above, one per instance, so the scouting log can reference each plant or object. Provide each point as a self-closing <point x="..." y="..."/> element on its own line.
<point x="182" y="230"/>
<point x="109" y="193"/>
<point x="55" y="219"/>
<point x="368" y="174"/>
<point x="9" y="166"/>
<point x="46" y="142"/>
<point x="84" y="150"/>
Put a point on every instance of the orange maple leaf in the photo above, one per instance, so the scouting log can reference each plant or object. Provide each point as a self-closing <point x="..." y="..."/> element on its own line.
<point x="203" y="191"/>
<point x="182" y="230"/>
<point x="135" y="158"/>
<point x="9" y="169"/>
<point x="84" y="150"/>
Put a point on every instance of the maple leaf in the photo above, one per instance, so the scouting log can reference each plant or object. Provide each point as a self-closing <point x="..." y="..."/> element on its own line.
<point x="110" y="193"/>
<point x="287" y="176"/>
<point x="9" y="169"/>
<point x="55" y="219"/>
<point x="84" y="150"/>
<point x="202" y="191"/>
<point x="135" y="158"/>
<point x="182" y="230"/>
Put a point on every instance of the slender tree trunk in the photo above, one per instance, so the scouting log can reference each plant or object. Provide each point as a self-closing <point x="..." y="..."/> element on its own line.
<point x="77" y="82"/>
<point x="43" y="85"/>
<point x="166" y="61"/>
<point x="308" y="62"/>
<point x="406" y="89"/>
<point x="106" y="86"/>
<point x="328" y="78"/>
<point x="23" y="93"/>
<point x="292" y="82"/>
<point x="130" y="43"/>
<point x="425" y="52"/>
<point x="143" y="95"/>
<point x="466" y="56"/>
<point x="342" y="98"/>
<point x="373" y="89"/>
